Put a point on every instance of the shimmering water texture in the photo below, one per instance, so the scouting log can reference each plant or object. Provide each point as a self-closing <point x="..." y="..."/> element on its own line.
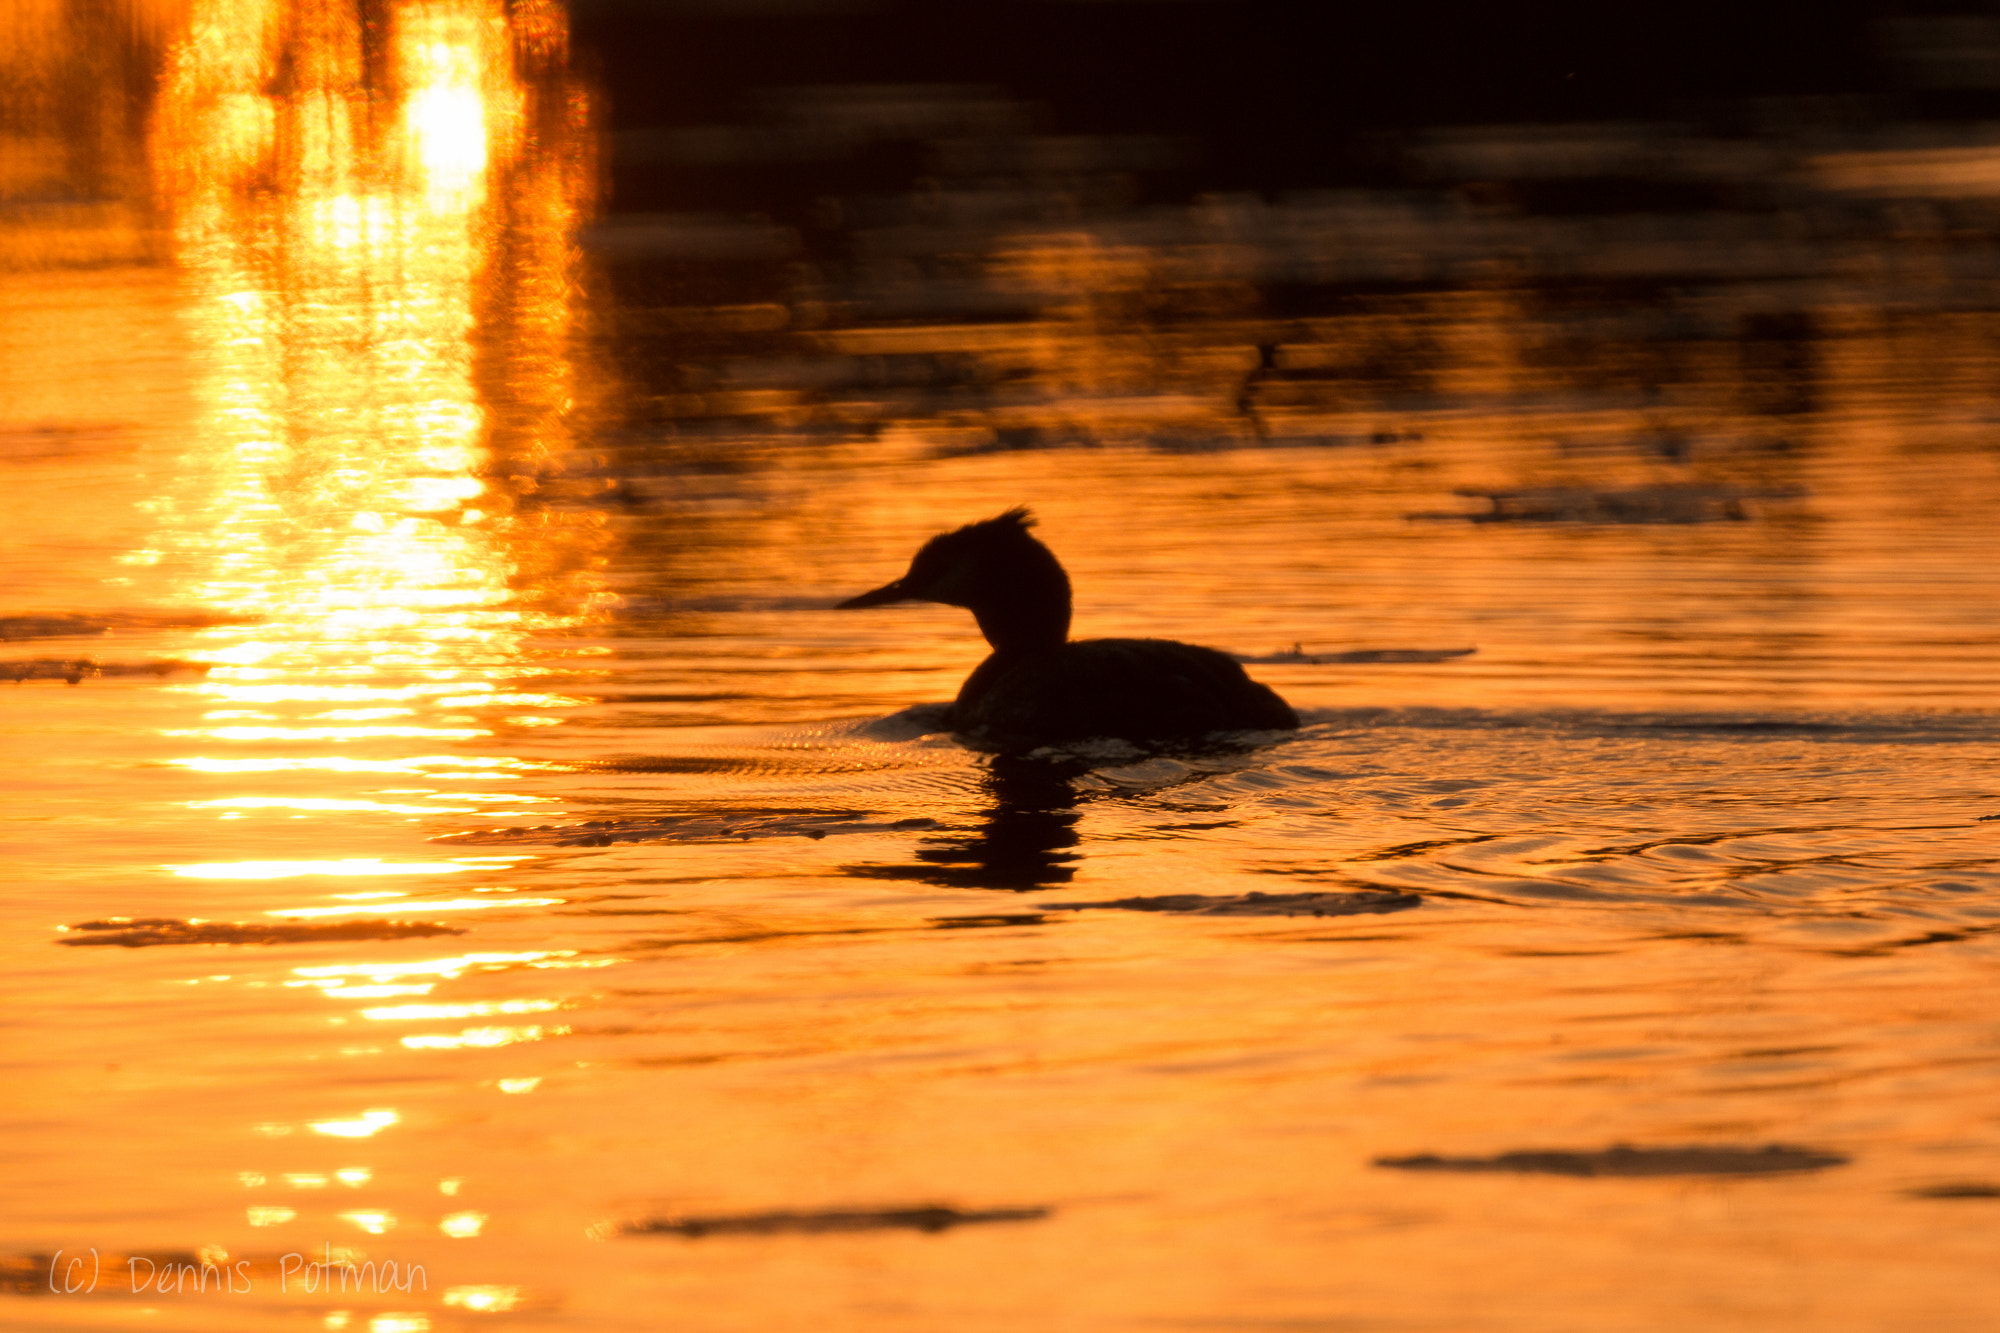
<point x="463" y="872"/>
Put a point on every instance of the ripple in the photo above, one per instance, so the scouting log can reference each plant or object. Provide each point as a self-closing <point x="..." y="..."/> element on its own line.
<point x="688" y="828"/>
<point x="144" y="932"/>
<point x="75" y="670"/>
<point x="1621" y="1160"/>
<point x="1959" y="1189"/>
<point x="927" y="1217"/>
<point x="1256" y="904"/>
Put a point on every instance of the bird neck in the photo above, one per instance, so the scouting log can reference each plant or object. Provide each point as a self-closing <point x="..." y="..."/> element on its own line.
<point x="1026" y="624"/>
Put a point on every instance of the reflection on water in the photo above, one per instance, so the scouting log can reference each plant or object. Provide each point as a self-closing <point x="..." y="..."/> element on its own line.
<point x="378" y="285"/>
<point x="545" y="887"/>
<point x="342" y="243"/>
<point x="371" y="208"/>
<point x="1023" y="840"/>
<point x="373" y="211"/>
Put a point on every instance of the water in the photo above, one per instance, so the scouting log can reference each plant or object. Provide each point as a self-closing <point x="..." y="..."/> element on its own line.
<point x="472" y="843"/>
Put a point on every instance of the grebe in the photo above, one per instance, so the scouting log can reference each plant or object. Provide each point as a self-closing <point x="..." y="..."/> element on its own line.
<point x="1038" y="686"/>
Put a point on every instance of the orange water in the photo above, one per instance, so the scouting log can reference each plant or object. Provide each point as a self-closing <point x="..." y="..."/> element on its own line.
<point x="650" y="916"/>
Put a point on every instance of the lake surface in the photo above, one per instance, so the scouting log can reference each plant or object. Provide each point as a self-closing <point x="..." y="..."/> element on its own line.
<point x="449" y="830"/>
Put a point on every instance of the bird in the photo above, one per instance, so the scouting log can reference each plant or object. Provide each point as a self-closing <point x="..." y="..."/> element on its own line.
<point x="1038" y="686"/>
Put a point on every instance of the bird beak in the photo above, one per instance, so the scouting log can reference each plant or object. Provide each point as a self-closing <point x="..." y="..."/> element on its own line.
<point x="882" y="596"/>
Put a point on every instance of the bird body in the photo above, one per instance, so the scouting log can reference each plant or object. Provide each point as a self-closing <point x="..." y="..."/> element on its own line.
<point x="1040" y="687"/>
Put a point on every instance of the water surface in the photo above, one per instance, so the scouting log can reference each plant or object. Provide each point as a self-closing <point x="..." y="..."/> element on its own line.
<point x="472" y="841"/>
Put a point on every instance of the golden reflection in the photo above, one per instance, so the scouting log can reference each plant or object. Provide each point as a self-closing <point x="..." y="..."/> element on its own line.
<point x="399" y="1323"/>
<point x="373" y="205"/>
<point x="372" y="1221"/>
<point x="489" y="1036"/>
<point x="460" y="1226"/>
<point x="325" y="803"/>
<point x="367" y="1124"/>
<point x="294" y="869"/>
<point x="449" y="968"/>
<point x="391" y="980"/>
<point x="416" y="905"/>
<point x="476" y="1010"/>
<point x="334" y="734"/>
<point x="369" y="992"/>
<point x="334" y="764"/>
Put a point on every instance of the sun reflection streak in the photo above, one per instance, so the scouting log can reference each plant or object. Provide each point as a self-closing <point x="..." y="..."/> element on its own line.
<point x="448" y="968"/>
<point x="373" y="1221"/>
<point x="294" y="869"/>
<point x="479" y="1037"/>
<point x="335" y="734"/>
<point x="459" y="1226"/>
<point x="485" y="1299"/>
<point x="366" y="1125"/>
<point x="361" y="210"/>
<point x="407" y="1012"/>
<point x="373" y="205"/>
<point x="416" y="764"/>
<point x="328" y="803"/>
<point x="417" y="905"/>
